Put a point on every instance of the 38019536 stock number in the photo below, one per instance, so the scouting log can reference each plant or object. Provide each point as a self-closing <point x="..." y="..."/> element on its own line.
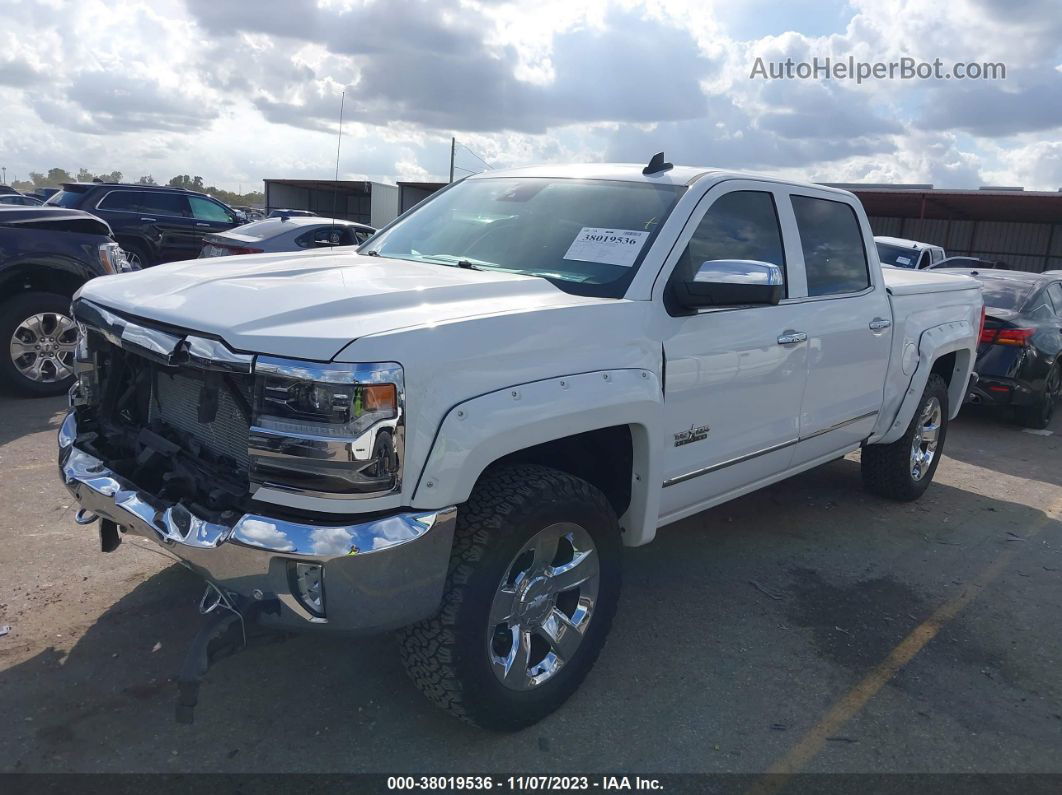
<point x="513" y="783"/>
<point x="625" y="240"/>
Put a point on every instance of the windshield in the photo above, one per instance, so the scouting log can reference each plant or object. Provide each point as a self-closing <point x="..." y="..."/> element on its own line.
<point x="897" y="256"/>
<point x="586" y="236"/>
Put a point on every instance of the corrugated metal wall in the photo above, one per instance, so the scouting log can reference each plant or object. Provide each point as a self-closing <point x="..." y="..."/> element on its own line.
<point x="1027" y="247"/>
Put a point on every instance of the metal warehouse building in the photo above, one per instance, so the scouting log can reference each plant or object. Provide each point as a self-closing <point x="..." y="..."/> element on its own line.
<point x="1022" y="228"/>
<point x="364" y="202"/>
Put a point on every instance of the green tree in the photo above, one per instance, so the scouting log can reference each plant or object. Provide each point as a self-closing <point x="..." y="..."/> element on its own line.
<point x="146" y="180"/>
<point x="56" y="177"/>
<point x="84" y="175"/>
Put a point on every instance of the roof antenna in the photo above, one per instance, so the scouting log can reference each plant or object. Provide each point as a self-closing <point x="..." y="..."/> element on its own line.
<point x="335" y="188"/>
<point x="657" y="164"/>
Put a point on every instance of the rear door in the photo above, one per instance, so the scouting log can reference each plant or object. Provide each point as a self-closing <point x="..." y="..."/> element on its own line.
<point x="169" y="215"/>
<point x="849" y="326"/>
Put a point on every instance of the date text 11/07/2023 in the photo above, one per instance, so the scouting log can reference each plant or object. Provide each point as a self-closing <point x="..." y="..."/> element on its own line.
<point x="525" y="783"/>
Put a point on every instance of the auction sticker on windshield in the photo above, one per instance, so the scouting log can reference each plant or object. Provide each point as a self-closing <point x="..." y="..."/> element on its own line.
<point x="611" y="246"/>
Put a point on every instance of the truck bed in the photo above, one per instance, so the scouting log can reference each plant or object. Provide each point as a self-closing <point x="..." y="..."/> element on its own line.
<point x="903" y="281"/>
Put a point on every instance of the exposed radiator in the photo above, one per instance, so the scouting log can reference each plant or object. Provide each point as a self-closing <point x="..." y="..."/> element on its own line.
<point x="176" y="403"/>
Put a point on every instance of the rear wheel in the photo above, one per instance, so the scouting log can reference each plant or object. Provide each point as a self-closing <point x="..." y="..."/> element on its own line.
<point x="1040" y="413"/>
<point x="38" y="339"/>
<point x="904" y="469"/>
<point x="531" y="592"/>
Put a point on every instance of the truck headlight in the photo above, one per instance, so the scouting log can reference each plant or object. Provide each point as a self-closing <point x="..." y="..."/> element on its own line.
<point x="330" y="430"/>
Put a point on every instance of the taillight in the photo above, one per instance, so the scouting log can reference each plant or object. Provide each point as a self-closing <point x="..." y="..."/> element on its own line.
<point x="1013" y="336"/>
<point x="1018" y="337"/>
<point x="242" y="250"/>
<point x="981" y="333"/>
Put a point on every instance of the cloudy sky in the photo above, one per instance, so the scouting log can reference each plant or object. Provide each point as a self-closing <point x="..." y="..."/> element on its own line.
<point x="236" y="92"/>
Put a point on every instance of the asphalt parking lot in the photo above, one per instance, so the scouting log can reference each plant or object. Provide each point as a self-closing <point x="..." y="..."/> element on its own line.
<point x="807" y="627"/>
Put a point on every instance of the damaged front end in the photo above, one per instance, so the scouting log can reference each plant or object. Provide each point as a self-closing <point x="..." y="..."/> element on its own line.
<point x="176" y="438"/>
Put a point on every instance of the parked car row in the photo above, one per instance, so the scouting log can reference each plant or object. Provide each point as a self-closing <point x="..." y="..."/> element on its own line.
<point x="154" y="224"/>
<point x="92" y="229"/>
<point x="1019" y="358"/>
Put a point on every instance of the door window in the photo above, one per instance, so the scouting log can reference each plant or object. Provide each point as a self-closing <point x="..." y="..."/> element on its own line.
<point x="834" y="257"/>
<point x="1055" y="292"/>
<point x="738" y="225"/>
<point x="124" y="200"/>
<point x="206" y="210"/>
<point x="172" y="204"/>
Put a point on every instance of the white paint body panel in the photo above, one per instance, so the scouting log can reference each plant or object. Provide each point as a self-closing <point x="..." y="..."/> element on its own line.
<point x="467" y="340"/>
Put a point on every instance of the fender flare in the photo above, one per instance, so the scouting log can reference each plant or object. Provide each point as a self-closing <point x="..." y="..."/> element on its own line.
<point x="954" y="337"/>
<point x="479" y="431"/>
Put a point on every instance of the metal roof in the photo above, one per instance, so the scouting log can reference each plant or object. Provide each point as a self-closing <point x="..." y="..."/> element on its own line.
<point x="1036" y="207"/>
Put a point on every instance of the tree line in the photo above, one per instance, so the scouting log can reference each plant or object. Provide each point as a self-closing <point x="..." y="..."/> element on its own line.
<point x="57" y="176"/>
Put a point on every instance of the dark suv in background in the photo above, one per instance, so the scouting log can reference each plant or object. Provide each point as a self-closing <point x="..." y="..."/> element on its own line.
<point x="46" y="254"/>
<point x="152" y="223"/>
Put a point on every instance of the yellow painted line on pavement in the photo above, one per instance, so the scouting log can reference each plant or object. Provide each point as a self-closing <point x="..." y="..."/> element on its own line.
<point x="855" y="699"/>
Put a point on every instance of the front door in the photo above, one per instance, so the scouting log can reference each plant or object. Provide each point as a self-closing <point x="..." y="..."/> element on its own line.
<point x="735" y="376"/>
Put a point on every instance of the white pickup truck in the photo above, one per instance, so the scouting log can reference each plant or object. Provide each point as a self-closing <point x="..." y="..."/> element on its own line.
<point x="454" y="429"/>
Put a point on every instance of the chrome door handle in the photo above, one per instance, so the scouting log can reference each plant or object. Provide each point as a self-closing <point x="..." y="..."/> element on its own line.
<point x="201" y="224"/>
<point x="146" y="219"/>
<point x="879" y="324"/>
<point x="792" y="337"/>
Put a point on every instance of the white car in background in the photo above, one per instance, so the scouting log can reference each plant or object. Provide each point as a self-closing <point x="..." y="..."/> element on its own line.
<point x="285" y="234"/>
<point x="901" y="253"/>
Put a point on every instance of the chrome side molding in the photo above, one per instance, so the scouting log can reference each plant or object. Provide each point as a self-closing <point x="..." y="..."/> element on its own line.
<point x="696" y="473"/>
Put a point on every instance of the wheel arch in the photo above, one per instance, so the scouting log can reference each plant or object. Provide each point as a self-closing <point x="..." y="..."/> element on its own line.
<point x="947" y="350"/>
<point x="570" y="423"/>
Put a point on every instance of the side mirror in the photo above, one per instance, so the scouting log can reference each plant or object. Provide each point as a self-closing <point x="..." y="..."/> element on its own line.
<point x="731" y="282"/>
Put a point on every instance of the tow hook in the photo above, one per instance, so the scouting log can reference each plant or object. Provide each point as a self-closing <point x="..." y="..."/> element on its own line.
<point x="227" y="628"/>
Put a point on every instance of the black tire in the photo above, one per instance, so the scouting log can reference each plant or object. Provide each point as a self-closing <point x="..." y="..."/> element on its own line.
<point x="1039" y="414"/>
<point x="13" y="313"/>
<point x="138" y="255"/>
<point x="447" y="656"/>
<point x="887" y="469"/>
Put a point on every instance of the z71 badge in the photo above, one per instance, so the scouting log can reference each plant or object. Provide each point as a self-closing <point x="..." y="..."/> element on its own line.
<point x="695" y="434"/>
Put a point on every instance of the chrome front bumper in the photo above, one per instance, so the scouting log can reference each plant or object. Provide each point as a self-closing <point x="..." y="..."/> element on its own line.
<point x="380" y="574"/>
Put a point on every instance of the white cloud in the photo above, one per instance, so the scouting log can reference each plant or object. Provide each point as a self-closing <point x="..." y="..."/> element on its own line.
<point x="237" y="92"/>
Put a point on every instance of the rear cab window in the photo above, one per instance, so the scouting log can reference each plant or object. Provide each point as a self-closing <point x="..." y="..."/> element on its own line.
<point x="835" y="259"/>
<point x="1005" y="293"/>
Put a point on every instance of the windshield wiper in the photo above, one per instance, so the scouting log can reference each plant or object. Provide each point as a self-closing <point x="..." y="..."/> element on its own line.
<point x="373" y="253"/>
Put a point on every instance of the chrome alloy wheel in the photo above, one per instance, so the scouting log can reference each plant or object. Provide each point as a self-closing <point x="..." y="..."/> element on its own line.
<point x="543" y="606"/>
<point x="926" y="438"/>
<point x="42" y="347"/>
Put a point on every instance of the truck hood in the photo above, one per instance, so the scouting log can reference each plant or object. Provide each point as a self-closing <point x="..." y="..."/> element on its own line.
<point x="311" y="305"/>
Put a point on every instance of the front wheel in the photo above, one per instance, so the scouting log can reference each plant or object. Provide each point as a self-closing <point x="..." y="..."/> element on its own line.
<point x="532" y="588"/>
<point x="38" y="339"/>
<point x="904" y="469"/>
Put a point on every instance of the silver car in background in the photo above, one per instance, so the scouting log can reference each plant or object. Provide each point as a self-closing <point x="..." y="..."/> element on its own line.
<point x="290" y="233"/>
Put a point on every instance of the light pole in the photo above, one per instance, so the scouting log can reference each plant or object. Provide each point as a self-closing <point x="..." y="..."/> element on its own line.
<point x="4" y="179"/>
